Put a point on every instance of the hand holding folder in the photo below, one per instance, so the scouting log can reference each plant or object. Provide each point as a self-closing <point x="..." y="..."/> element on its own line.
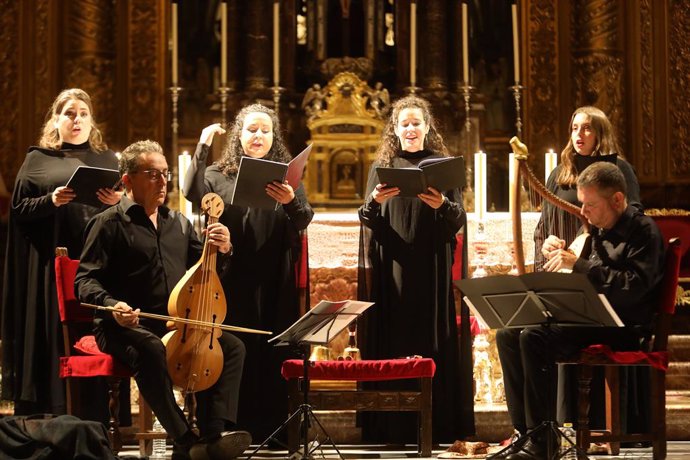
<point x="255" y="174"/>
<point x="87" y="180"/>
<point x="443" y="174"/>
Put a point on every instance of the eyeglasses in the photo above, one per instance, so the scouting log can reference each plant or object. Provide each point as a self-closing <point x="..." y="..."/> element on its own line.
<point x="155" y="175"/>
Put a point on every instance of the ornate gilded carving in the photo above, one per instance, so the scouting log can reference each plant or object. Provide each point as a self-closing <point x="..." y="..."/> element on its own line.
<point x="647" y="90"/>
<point x="679" y="80"/>
<point x="433" y="40"/>
<point x="144" y="71"/>
<point x="361" y="66"/>
<point x="541" y="112"/>
<point x="345" y="123"/>
<point x="9" y="88"/>
<point x="43" y="86"/>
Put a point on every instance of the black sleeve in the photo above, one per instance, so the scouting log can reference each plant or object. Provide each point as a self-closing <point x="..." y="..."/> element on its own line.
<point x="194" y="181"/>
<point x="299" y="210"/>
<point x="632" y="184"/>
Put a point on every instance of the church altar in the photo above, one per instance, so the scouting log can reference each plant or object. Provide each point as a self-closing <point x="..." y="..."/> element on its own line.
<point x="333" y="241"/>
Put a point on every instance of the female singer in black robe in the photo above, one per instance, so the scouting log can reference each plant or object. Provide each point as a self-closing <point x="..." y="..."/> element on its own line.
<point x="42" y="217"/>
<point x="260" y="283"/>
<point x="406" y="256"/>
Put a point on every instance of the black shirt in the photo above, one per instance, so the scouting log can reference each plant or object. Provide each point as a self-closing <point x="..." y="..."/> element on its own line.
<point x="627" y="264"/>
<point x="125" y="258"/>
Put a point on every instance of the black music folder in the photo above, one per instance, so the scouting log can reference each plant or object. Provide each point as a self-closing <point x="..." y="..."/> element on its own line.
<point x="87" y="180"/>
<point x="443" y="174"/>
<point x="566" y="299"/>
<point x="255" y="174"/>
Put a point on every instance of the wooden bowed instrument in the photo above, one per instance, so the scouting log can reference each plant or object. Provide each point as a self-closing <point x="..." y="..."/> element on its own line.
<point x="195" y="359"/>
<point x="581" y="244"/>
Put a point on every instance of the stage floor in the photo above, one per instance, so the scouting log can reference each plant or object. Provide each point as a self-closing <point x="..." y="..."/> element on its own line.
<point x="677" y="450"/>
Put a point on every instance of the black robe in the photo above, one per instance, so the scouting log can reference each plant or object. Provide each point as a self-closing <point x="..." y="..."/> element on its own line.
<point x="406" y="255"/>
<point x="31" y="331"/>
<point x="260" y="286"/>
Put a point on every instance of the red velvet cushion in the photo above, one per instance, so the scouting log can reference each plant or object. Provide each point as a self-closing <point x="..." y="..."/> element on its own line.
<point x="92" y="366"/>
<point x="88" y="346"/>
<point x="656" y="359"/>
<point x="677" y="226"/>
<point x="70" y="309"/>
<point x="366" y="370"/>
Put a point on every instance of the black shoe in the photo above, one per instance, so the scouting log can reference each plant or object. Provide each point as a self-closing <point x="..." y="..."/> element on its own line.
<point x="516" y="441"/>
<point x="533" y="449"/>
<point x="228" y="445"/>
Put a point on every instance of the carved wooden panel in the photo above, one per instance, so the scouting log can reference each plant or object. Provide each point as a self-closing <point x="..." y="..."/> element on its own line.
<point x="146" y="85"/>
<point x="9" y="88"/>
<point x="541" y="112"/>
<point x="679" y="81"/>
<point x="647" y="158"/>
<point x="90" y="57"/>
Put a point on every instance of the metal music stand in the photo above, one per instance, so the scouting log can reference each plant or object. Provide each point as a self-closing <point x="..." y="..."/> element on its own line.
<point x="317" y="327"/>
<point x="539" y="299"/>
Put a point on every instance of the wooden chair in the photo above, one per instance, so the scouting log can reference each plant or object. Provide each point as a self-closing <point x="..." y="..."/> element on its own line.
<point x="83" y="359"/>
<point x="655" y="358"/>
<point x="373" y="370"/>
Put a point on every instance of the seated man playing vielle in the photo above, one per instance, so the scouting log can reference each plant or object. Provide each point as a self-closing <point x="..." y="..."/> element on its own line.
<point x="626" y="264"/>
<point x="134" y="255"/>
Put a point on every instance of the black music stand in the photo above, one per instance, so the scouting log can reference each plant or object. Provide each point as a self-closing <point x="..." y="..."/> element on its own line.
<point x="539" y="299"/>
<point x="317" y="327"/>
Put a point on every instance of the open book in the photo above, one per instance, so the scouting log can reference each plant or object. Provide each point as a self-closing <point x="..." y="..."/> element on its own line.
<point x="443" y="174"/>
<point x="322" y="323"/>
<point x="87" y="180"/>
<point x="255" y="173"/>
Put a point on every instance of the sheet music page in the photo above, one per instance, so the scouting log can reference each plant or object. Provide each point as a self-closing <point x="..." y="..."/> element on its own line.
<point x="611" y="311"/>
<point x="343" y="317"/>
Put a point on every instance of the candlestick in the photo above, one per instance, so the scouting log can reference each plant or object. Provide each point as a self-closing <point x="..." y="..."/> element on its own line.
<point x="465" y="46"/>
<point x="276" y="43"/>
<point x="174" y="43"/>
<point x="516" y="45"/>
<point x="550" y="162"/>
<point x="413" y="43"/>
<point x="183" y="162"/>
<point x="480" y="185"/>
<point x="223" y="43"/>
<point x="512" y="178"/>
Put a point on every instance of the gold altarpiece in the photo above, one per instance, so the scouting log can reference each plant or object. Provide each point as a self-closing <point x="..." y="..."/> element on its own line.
<point x="345" y="125"/>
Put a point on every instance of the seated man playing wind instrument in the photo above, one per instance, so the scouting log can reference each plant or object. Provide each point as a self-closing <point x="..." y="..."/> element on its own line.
<point x="134" y="255"/>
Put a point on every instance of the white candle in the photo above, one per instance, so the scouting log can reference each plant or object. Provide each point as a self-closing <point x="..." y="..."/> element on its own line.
<point x="276" y="43"/>
<point x="480" y="185"/>
<point x="413" y="43"/>
<point x="516" y="45"/>
<point x="465" y="46"/>
<point x="183" y="162"/>
<point x="223" y="43"/>
<point x="174" y="43"/>
<point x="550" y="162"/>
<point x="512" y="179"/>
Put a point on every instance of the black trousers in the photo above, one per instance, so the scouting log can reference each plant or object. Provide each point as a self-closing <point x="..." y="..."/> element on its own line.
<point x="528" y="357"/>
<point x="144" y="352"/>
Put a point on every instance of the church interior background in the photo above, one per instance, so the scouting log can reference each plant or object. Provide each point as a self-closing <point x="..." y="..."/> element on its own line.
<point x="331" y="68"/>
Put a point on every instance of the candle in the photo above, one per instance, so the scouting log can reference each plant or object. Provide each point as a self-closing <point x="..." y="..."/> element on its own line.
<point x="516" y="45"/>
<point x="550" y="162"/>
<point x="183" y="162"/>
<point x="465" y="46"/>
<point x="413" y="43"/>
<point x="276" y="43"/>
<point x="223" y="43"/>
<point x="512" y="179"/>
<point x="480" y="185"/>
<point x="174" y="43"/>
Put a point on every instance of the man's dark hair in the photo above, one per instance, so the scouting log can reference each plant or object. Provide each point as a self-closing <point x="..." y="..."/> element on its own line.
<point x="605" y="176"/>
<point x="130" y="155"/>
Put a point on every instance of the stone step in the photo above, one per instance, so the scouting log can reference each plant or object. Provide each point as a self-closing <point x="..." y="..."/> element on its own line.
<point x="678" y="376"/>
<point x="679" y="347"/>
